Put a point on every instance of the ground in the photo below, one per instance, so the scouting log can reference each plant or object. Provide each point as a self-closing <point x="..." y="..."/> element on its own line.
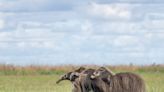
<point x="46" y="83"/>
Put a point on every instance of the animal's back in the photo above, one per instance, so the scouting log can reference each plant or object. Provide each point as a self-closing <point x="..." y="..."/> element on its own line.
<point x="85" y="80"/>
<point x="127" y="82"/>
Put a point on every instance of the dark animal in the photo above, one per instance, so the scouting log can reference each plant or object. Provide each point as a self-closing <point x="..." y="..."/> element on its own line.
<point x="80" y="78"/>
<point x="120" y="82"/>
<point x="72" y="76"/>
<point x="85" y="81"/>
<point x="88" y="84"/>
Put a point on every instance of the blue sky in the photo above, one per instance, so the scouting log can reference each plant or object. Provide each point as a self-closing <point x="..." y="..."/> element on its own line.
<point x="81" y="32"/>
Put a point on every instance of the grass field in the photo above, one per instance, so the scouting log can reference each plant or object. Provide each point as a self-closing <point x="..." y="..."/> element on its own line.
<point x="46" y="82"/>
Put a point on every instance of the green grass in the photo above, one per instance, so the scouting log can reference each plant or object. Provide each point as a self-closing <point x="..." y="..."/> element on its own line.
<point x="38" y="83"/>
<point x="154" y="81"/>
<point x="46" y="83"/>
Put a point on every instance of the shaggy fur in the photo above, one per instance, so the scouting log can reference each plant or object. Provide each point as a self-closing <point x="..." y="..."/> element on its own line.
<point x="85" y="81"/>
<point x="82" y="82"/>
<point x="80" y="79"/>
<point x="120" y="82"/>
<point x="126" y="82"/>
<point x="76" y="86"/>
<point x="89" y="85"/>
<point x="72" y="76"/>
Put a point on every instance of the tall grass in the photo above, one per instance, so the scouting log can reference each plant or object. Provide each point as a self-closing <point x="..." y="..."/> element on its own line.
<point x="42" y="78"/>
<point x="50" y="70"/>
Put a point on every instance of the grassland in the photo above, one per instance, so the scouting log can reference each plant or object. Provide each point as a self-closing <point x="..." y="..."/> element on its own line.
<point x="43" y="78"/>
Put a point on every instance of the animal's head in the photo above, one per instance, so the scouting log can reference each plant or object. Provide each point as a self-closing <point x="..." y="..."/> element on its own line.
<point x="71" y="75"/>
<point x="89" y="72"/>
<point x="64" y="77"/>
<point x="74" y="75"/>
<point x="79" y="70"/>
<point x="102" y="73"/>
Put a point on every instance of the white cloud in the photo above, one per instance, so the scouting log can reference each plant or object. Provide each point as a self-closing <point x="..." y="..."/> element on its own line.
<point x="2" y="23"/>
<point x="126" y="41"/>
<point x="4" y="45"/>
<point x="110" y="10"/>
<point x="119" y="28"/>
<point x="37" y="44"/>
<point x="35" y="5"/>
<point x="154" y="35"/>
<point x="154" y="24"/>
<point x="31" y="37"/>
<point x="21" y="44"/>
<point x="49" y="44"/>
<point x="87" y="28"/>
<point x="1" y="4"/>
<point x="67" y="26"/>
<point x="154" y="39"/>
<point x="5" y="36"/>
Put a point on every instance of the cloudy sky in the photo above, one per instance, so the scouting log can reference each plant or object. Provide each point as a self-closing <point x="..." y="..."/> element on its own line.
<point x="81" y="32"/>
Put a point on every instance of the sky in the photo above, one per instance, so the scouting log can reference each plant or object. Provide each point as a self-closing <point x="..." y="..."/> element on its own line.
<point x="55" y="32"/>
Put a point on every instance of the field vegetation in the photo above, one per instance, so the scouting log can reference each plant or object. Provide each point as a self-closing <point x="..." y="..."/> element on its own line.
<point x="42" y="78"/>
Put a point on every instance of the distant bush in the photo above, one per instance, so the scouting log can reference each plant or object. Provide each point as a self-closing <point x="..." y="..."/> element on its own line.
<point x="50" y="70"/>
